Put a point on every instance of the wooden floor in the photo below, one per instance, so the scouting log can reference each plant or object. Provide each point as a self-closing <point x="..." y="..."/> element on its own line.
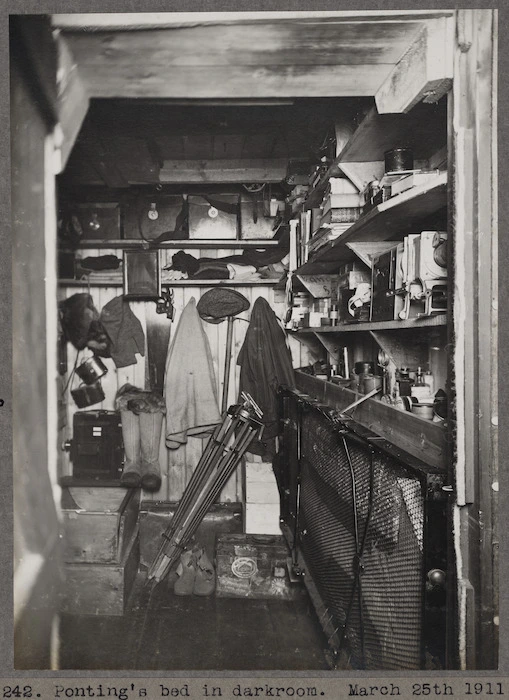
<point x="161" y="631"/>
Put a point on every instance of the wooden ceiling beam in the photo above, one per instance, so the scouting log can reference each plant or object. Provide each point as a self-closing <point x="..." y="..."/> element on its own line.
<point x="425" y="71"/>
<point x="279" y="44"/>
<point x="157" y="20"/>
<point x="242" y="61"/>
<point x="73" y="99"/>
<point x="208" y="82"/>
<point x="228" y="171"/>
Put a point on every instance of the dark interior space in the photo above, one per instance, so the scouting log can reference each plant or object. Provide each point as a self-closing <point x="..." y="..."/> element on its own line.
<point x="258" y="435"/>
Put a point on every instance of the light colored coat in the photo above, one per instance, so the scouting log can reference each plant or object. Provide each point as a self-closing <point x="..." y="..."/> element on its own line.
<point x="190" y="387"/>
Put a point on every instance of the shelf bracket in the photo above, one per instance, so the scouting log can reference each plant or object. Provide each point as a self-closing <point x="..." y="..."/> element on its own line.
<point x="365" y="250"/>
<point x="331" y="345"/>
<point x="311" y="342"/>
<point x="319" y="286"/>
<point x="413" y="354"/>
<point x="362" y="173"/>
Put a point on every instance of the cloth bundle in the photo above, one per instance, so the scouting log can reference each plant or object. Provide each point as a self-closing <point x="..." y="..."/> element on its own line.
<point x="82" y="326"/>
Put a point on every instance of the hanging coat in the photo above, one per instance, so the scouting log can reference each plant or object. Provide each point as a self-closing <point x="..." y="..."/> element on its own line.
<point x="265" y="364"/>
<point x="190" y="386"/>
<point x="125" y="331"/>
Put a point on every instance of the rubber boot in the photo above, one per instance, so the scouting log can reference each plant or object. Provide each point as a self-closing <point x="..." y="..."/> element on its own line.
<point x="131" y="475"/>
<point x="186" y="572"/>
<point x="205" y="580"/>
<point x="150" y="432"/>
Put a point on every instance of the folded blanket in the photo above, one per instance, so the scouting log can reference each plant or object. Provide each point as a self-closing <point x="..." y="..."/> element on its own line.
<point x="190" y="386"/>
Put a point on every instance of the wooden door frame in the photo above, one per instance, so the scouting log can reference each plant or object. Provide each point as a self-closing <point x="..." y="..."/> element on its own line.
<point x="472" y="151"/>
<point x="473" y="170"/>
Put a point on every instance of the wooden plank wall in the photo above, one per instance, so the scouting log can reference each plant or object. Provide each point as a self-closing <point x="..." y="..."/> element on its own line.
<point x="177" y="465"/>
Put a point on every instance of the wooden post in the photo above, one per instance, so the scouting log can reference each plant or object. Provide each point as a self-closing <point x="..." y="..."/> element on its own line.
<point x="474" y="319"/>
<point x="227" y="363"/>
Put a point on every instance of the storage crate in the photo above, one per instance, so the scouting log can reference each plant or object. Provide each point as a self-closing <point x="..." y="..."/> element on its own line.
<point x="98" y="523"/>
<point x="209" y="222"/>
<point x="254" y="566"/>
<point x="168" y="208"/>
<point x="98" y="220"/>
<point x="222" y="518"/>
<point x="102" y="589"/>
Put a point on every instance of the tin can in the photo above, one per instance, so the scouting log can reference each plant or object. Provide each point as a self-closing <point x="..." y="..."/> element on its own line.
<point x="398" y="159"/>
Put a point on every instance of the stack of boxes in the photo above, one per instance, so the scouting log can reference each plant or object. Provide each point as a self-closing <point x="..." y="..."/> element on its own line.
<point x="262" y="498"/>
<point x="101" y="548"/>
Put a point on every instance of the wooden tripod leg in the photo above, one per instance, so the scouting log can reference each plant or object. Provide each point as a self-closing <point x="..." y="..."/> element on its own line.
<point x="227" y="363"/>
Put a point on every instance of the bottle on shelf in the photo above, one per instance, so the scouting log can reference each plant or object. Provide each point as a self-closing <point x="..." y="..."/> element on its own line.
<point x="422" y="390"/>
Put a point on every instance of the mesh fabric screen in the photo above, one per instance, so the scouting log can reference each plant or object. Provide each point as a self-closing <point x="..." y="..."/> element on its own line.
<point x="352" y="494"/>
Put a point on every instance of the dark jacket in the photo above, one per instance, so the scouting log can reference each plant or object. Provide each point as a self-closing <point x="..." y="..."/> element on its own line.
<point x="265" y="364"/>
<point x="124" y="330"/>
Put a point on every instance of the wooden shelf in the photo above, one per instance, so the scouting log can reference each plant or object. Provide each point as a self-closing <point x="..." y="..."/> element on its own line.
<point x="423" y="129"/>
<point x="423" y="439"/>
<point x="186" y="243"/>
<point x="391" y="220"/>
<point x="69" y="481"/>
<point x="177" y="283"/>
<point x="427" y="322"/>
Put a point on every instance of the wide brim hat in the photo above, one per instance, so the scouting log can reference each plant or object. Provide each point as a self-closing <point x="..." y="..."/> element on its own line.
<point x="221" y="302"/>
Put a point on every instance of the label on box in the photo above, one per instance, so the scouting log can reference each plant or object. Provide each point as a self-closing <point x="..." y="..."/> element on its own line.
<point x="244" y="567"/>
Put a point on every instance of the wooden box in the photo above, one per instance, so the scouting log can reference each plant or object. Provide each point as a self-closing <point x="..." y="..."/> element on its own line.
<point x="164" y="212"/>
<point x="262" y="511"/>
<point x="155" y="517"/>
<point x="207" y="221"/>
<point x="98" y="523"/>
<point x="262" y="518"/>
<point x="102" y="589"/>
<point x="97" y="220"/>
<point x="253" y="566"/>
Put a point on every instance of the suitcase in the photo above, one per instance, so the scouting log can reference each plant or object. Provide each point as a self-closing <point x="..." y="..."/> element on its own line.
<point x="97" y="449"/>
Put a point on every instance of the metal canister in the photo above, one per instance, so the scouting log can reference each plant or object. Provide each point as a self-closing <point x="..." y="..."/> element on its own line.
<point x="398" y="159"/>
<point x="370" y="382"/>
<point x="91" y="370"/>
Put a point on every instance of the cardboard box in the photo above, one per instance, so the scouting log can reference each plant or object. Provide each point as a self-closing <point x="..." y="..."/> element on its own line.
<point x="262" y="518"/>
<point x="261" y="485"/>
